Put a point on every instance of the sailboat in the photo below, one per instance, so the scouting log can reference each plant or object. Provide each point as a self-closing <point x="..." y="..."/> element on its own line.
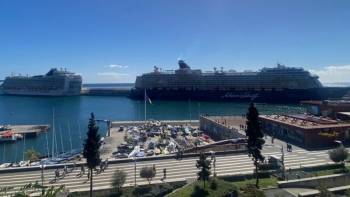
<point x="24" y="163"/>
<point x="53" y="160"/>
<point x="5" y="165"/>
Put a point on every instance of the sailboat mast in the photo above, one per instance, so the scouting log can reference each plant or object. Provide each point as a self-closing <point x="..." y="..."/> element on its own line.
<point x="44" y="150"/>
<point x="53" y="132"/>
<point x="70" y="138"/>
<point x="47" y="145"/>
<point x="81" y="142"/>
<point x="61" y="138"/>
<point x="3" y="159"/>
<point x="145" y="108"/>
<point x="24" y="145"/>
<point x="56" y="144"/>
<point x="16" y="154"/>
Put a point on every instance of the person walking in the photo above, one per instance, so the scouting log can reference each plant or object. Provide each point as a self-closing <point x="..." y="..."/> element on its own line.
<point x="106" y="163"/>
<point x="82" y="169"/>
<point x="154" y="167"/>
<point x="65" y="169"/>
<point x="88" y="175"/>
<point x="164" y="171"/>
<point x="74" y="165"/>
<point x="57" y="174"/>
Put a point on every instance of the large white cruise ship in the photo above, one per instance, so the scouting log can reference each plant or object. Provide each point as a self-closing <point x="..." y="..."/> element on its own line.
<point x="54" y="83"/>
<point x="273" y="85"/>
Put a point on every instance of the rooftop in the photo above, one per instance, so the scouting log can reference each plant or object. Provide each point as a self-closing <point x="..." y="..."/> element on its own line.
<point x="305" y="121"/>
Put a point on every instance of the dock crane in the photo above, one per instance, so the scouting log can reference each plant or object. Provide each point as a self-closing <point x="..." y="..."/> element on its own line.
<point x="109" y="125"/>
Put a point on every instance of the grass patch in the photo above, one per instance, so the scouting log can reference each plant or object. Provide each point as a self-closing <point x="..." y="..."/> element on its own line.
<point x="196" y="189"/>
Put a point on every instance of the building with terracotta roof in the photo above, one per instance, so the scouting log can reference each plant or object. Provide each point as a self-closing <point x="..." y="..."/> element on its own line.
<point x="306" y="130"/>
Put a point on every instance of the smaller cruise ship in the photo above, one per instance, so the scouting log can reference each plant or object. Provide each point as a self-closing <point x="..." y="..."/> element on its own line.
<point x="54" y="83"/>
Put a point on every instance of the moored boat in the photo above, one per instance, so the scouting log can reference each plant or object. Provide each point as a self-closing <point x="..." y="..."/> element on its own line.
<point x="7" y="137"/>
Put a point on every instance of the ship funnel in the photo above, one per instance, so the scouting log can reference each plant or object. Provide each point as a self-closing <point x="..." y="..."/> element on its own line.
<point x="215" y="69"/>
<point x="222" y="69"/>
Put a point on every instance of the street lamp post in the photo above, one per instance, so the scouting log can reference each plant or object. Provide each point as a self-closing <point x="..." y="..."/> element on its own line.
<point x="213" y="157"/>
<point x="42" y="178"/>
<point x="199" y="109"/>
<point x="139" y="113"/>
<point x="134" y="158"/>
<point x="189" y="104"/>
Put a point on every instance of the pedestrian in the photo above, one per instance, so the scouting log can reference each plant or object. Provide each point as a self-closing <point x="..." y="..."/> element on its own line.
<point x="57" y="174"/>
<point x="65" y="169"/>
<point x="164" y="171"/>
<point x="101" y="167"/>
<point x="154" y="167"/>
<point x="290" y="147"/>
<point x="74" y="165"/>
<point x="88" y="175"/>
<point x="106" y="163"/>
<point x="82" y="169"/>
<point x="290" y="170"/>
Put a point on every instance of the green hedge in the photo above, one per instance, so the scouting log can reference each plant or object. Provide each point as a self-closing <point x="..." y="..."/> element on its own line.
<point x="233" y="178"/>
<point x="243" y="177"/>
<point x="323" y="167"/>
<point x="263" y="174"/>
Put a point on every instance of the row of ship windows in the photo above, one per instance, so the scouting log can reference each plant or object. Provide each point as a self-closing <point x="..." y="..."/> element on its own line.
<point x="40" y="88"/>
<point x="230" y="84"/>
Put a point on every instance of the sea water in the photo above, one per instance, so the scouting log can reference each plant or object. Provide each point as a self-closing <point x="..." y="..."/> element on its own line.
<point x="74" y="112"/>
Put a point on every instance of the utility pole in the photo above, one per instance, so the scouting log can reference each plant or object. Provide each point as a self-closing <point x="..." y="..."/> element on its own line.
<point x="189" y="103"/>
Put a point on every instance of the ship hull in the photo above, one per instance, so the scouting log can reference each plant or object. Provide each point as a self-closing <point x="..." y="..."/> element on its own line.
<point x="38" y="93"/>
<point x="236" y="95"/>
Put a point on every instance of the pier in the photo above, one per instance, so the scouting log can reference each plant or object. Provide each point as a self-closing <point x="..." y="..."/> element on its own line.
<point x="105" y="91"/>
<point x="30" y="130"/>
<point x="167" y="122"/>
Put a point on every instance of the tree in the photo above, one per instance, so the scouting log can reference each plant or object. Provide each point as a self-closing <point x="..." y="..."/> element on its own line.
<point x="147" y="173"/>
<point x="339" y="154"/>
<point x="205" y="166"/>
<point x="255" y="137"/>
<point x="92" y="148"/>
<point x="31" y="154"/>
<point x="118" y="179"/>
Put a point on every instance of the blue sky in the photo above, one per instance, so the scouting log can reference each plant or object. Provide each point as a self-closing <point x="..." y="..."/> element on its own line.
<point x="115" y="41"/>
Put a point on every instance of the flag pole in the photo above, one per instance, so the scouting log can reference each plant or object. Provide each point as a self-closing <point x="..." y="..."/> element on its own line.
<point x="145" y="108"/>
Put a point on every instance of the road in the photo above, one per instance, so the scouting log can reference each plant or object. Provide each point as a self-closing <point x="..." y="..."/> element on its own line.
<point x="176" y="169"/>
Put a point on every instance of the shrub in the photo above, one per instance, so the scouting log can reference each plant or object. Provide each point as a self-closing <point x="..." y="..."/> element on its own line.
<point x="339" y="154"/>
<point x="234" y="178"/>
<point x="214" y="184"/>
<point x="118" y="179"/>
<point x="263" y="174"/>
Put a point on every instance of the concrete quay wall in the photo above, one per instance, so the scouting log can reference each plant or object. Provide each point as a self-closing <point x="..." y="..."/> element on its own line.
<point x="167" y="122"/>
<point x="29" y="130"/>
<point x="335" y="180"/>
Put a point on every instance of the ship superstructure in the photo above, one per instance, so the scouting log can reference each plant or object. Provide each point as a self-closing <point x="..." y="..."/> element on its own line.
<point x="56" y="82"/>
<point x="278" y="84"/>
